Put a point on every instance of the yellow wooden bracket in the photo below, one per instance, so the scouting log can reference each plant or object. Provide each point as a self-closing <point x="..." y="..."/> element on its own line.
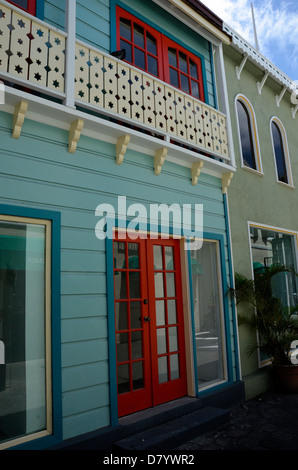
<point x="74" y="134"/>
<point x="18" y="118"/>
<point x="195" y="172"/>
<point x="121" y="147"/>
<point x="159" y="159"/>
<point x="226" y="181"/>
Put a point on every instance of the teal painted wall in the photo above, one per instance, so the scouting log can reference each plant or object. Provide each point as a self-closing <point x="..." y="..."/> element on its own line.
<point x="37" y="171"/>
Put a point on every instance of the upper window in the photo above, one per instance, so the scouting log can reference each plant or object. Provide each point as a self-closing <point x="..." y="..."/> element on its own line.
<point x="248" y="134"/>
<point x="155" y="53"/>
<point x="27" y="5"/>
<point x="279" y="143"/>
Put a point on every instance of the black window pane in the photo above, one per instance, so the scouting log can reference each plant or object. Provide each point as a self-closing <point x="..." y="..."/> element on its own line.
<point x="184" y="83"/>
<point x="172" y="57"/>
<point x="151" y="44"/>
<point x="183" y="62"/>
<point x="138" y="35"/>
<point x="195" y="89"/>
<point x="152" y="65"/>
<point x="125" y="29"/>
<point x="139" y="58"/>
<point x="21" y="3"/>
<point x="246" y="137"/>
<point x="193" y="69"/>
<point x="279" y="154"/>
<point x="127" y="47"/>
<point x="174" y="80"/>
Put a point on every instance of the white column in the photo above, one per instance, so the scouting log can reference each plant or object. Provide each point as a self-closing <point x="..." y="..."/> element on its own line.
<point x="223" y="97"/>
<point x="70" y="28"/>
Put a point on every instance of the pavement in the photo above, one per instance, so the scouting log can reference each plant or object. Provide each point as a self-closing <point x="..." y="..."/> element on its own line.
<point x="267" y="422"/>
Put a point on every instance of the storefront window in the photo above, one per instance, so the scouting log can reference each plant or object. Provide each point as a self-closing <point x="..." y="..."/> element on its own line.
<point x="209" y="334"/>
<point x="23" y="332"/>
<point x="271" y="247"/>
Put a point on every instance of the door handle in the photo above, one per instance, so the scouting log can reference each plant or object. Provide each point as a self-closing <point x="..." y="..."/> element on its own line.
<point x="145" y="301"/>
<point x="147" y="319"/>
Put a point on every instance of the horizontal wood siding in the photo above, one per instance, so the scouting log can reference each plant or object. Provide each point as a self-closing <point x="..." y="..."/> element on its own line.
<point x="38" y="171"/>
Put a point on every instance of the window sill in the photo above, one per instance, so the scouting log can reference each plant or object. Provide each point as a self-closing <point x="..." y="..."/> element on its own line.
<point x="251" y="170"/>
<point x="286" y="185"/>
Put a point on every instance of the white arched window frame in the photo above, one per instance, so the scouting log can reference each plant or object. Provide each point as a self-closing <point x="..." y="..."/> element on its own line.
<point x="285" y="149"/>
<point x="254" y="139"/>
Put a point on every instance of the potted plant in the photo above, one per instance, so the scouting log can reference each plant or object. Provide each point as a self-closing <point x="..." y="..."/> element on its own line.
<point x="276" y="324"/>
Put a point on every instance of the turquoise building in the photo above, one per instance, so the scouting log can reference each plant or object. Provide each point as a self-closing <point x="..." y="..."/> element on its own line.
<point x="116" y="158"/>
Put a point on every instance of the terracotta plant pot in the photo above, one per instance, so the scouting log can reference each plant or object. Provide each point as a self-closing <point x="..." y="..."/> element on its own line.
<point x="286" y="378"/>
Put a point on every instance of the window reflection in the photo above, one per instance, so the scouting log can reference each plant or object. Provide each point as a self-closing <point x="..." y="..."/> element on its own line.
<point x="247" y="146"/>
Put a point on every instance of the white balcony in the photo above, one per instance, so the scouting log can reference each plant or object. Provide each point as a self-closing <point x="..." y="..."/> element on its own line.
<point x="34" y="56"/>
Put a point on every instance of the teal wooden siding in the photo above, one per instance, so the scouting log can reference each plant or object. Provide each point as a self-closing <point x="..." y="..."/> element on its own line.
<point x="38" y="171"/>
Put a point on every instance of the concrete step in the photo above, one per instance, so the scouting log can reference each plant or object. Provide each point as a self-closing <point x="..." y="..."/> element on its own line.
<point x="171" y="434"/>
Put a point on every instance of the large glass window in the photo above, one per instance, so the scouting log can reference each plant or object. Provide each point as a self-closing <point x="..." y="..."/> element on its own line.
<point x="270" y="247"/>
<point x="280" y="152"/>
<point x="155" y="53"/>
<point x="207" y="301"/>
<point x="247" y="135"/>
<point x="24" y="305"/>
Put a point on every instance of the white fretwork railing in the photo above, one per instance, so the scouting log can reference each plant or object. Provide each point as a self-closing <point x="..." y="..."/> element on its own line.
<point x="33" y="54"/>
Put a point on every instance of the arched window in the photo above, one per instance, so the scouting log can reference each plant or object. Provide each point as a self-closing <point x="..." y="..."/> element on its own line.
<point x="248" y="135"/>
<point x="280" y="150"/>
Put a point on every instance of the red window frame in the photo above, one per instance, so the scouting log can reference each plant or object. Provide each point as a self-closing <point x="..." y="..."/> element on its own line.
<point x="186" y="81"/>
<point x="31" y="6"/>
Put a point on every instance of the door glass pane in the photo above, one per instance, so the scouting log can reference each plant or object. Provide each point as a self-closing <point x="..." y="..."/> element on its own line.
<point x="193" y="69"/>
<point x="137" y="375"/>
<point x="139" y="58"/>
<point x="183" y="62"/>
<point x="184" y="83"/>
<point x="134" y="285"/>
<point x="22" y="329"/>
<point x="209" y="331"/>
<point x="151" y="44"/>
<point x="162" y="369"/>
<point x="121" y="316"/>
<point x="119" y="255"/>
<point x="125" y="29"/>
<point x="172" y="317"/>
<point x="136" y="345"/>
<point x="122" y="347"/>
<point x="169" y="255"/>
<point x="174" y="366"/>
<point x="173" y="340"/>
<point x="160" y="312"/>
<point x="123" y="378"/>
<point x="172" y="57"/>
<point x="128" y="50"/>
<point x="152" y="65"/>
<point x="174" y="80"/>
<point x="133" y="255"/>
<point x="161" y="341"/>
<point x="139" y="36"/>
<point x="135" y="315"/>
<point x="195" y="89"/>
<point x="171" y="285"/>
<point x="158" y="262"/>
<point x="159" y="290"/>
<point x="120" y="285"/>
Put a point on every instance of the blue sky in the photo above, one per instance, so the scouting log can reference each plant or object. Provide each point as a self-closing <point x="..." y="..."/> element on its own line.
<point x="276" y="24"/>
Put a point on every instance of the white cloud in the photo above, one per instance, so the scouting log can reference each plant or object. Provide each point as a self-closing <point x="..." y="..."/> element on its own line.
<point x="276" y="23"/>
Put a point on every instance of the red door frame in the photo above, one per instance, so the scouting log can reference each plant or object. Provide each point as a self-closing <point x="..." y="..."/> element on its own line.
<point x="153" y="392"/>
<point x="31" y="6"/>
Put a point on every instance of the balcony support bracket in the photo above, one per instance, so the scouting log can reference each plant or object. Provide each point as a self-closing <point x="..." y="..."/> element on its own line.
<point x="226" y="181"/>
<point x="262" y="83"/>
<point x="241" y="66"/>
<point x="280" y="96"/>
<point x="74" y="134"/>
<point x="196" y="171"/>
<point x="18" y="118"/>
<point x="121" y="147"/>
<point x="294" y="111"/>
<point x="159" y="159"/>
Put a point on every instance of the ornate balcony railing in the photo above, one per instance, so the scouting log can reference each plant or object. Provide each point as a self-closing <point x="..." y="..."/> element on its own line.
<point x="33" y="54"/>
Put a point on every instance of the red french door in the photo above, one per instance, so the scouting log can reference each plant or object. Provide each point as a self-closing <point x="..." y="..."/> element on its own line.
<point x="150" y="349"/>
